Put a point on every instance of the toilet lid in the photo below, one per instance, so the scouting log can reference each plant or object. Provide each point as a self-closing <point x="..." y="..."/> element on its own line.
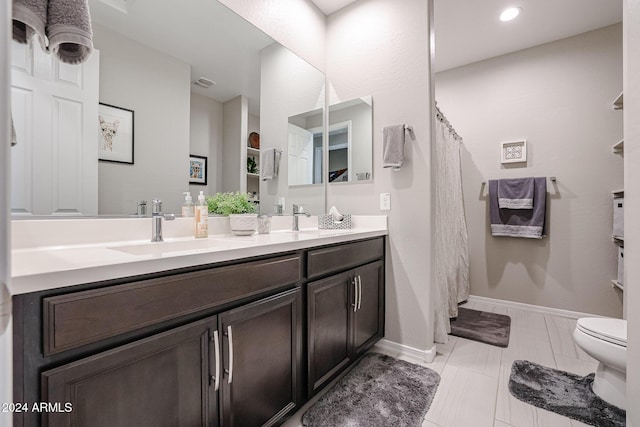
<point x="611" y="330"/>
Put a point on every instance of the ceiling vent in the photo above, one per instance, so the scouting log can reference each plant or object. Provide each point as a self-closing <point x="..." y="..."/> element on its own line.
<point x="204" y="82"/>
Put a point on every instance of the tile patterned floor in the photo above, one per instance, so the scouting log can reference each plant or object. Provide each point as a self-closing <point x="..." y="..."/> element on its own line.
<point x="474" y="376"/>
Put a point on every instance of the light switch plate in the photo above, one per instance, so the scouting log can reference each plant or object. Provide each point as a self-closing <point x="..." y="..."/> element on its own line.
<point x="385" y="201"/>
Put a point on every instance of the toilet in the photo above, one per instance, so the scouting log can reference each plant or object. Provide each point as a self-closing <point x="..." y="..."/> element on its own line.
<point x="605" y="340"/>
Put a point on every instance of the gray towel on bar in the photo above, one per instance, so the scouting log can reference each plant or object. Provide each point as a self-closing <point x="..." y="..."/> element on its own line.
<point x="29" y="18"/>
<point x="393" y="146"/>
<point x="69" y="30"/>
<point x="529" y="223"/>
<point x="515" y="193"/>
<point x="270" y="164"/>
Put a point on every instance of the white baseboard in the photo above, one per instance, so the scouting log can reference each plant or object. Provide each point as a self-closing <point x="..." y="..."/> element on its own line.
<point x="395" y="349"/>
<point x="531" y="307"/>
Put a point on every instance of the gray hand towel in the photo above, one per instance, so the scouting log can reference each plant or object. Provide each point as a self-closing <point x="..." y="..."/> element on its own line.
<point x="515" y="193"/>
<point x="270" y="164"/>
<point x="29" y="18"/>
<point x="529" y="223"/>
<point x="69" y="30"/>
<point x="393" y="146"/>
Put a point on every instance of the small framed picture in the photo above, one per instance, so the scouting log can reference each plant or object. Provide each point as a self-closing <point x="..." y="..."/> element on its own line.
<point x="197" y="170"/>
<point x="514" y="152"/>
<point x="115" y="134"/>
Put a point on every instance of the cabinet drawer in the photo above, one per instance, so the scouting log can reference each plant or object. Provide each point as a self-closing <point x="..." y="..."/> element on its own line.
<point x="84" y="317"/>
<point x="336" y="258"/>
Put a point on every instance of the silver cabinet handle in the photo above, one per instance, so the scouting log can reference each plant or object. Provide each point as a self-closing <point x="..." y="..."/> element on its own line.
<point x="216" y="345"/>
<point x="355" y="294"/>
<point x="359" y="291"/>
<point x="230" y="371"/>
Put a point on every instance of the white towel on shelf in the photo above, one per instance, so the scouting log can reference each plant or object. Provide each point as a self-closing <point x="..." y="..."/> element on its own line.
<point x="393" y="146"/>
<point x="270" y="164"/>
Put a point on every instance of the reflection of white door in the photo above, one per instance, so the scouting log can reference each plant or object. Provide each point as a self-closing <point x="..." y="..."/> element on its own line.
<point x="54" y="167"/>
<point x="300" y="166"/>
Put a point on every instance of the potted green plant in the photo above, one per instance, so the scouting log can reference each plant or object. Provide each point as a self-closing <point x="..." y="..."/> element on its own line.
<point x="240" y="210"/>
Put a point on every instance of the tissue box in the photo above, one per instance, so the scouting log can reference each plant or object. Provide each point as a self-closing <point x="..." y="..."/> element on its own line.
<point x="326" y="222"/>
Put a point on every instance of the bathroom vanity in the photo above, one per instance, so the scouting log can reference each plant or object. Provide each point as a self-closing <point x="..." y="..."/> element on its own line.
<point x="241" y="341"/>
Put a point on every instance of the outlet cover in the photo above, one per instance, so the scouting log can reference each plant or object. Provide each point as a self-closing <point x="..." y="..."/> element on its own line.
<point x="385" y="201"/>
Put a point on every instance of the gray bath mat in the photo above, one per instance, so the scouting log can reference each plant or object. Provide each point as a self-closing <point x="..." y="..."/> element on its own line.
<point x="563" y="393"/>
<point x="489" y="328"/>
<point x="379" y="391"/>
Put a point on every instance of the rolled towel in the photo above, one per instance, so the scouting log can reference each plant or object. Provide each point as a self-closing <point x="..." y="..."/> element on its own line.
<point x="393" y="146"/>
<point x="69" y="30"/>
<point x="515" y="193"/>
<point x="29" y="18"/>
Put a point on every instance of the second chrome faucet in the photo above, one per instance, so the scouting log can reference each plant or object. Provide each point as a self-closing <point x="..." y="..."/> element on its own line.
<point x="297" y="211"/>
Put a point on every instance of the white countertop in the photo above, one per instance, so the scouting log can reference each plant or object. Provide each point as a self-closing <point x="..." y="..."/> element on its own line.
<point x="38" y="268"/>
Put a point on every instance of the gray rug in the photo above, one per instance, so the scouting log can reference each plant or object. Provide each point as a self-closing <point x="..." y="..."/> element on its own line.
<point x="379" y="391"/>
<point x="563" y="393"/>
<point x="489" y="328"/>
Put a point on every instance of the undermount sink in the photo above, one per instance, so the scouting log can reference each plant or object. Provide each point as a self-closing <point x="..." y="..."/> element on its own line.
<point x="179" y="246"/>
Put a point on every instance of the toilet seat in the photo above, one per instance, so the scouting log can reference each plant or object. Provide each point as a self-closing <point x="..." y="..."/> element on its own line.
<point x="610" y="330"/>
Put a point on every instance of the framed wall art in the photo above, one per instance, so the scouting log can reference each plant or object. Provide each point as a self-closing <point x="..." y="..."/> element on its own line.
<point x="514" y="152"/>
<point x="197" y="170"/>
<point x="115" y="134"/>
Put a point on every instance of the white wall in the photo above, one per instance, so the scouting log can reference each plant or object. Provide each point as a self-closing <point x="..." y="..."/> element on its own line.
<point x="381" y="48"/>
<point x="297" y="24"/>
<point x="558" y="97"/>
<point x="288" y="87"/>
<point x="6" y="343"/>
<point x="206" y="140"/>
<point x="632" y="203"/>
<point x="157" y="87"/>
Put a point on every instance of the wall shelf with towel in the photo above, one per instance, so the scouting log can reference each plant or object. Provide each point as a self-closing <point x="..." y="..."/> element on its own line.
<point x="618" y="212"/>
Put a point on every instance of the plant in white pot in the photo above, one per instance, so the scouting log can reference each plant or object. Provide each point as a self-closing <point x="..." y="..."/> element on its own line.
<point x="240" y="210"/>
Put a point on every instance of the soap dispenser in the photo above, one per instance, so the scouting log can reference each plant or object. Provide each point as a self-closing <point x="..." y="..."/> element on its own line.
<point x="187" y="206"/>
<point x="202" y="217"/>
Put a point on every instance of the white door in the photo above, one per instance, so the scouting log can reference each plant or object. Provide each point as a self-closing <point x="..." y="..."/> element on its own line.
<point x="300" y="166"/>
<point x="54" y="167"/>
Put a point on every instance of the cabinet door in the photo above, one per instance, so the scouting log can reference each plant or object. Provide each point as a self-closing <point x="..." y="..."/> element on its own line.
<point x="262" y="348"/>
<point x="368" y="324"/>
<point x="328" y="317"/>
<point x="163" y="380"/>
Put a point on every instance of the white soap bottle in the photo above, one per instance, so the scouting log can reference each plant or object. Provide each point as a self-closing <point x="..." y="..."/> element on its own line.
<point x="202" y="217"/>
<point x="187" y="206"/>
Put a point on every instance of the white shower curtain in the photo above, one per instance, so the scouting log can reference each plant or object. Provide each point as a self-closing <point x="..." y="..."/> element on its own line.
<point x="452" y="250"/>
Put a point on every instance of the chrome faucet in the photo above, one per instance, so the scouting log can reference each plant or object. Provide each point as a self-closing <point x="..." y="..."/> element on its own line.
<point x="297" y="211"/>
<point x="156" y="220"/>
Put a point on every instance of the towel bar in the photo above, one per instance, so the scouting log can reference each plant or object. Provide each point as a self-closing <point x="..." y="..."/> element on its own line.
<point x="551" y="178"/>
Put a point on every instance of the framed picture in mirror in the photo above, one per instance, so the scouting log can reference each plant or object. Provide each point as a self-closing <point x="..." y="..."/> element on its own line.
<point x="197" y="170"/>
<point x="115" y="134"/>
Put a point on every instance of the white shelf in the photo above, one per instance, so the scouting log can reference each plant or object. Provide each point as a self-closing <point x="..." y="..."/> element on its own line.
<point x="618" y="239"/>
<point x="618" y="193"/>
<point x="253" y="175"/>
<point x="617" y="284"/>
<point x="619" y="147"/>
<point x="618" y="104"/>
<point x="253" y="151"/>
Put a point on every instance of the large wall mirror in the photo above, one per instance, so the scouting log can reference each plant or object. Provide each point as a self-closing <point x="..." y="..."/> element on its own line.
<point x="198" y="89"/>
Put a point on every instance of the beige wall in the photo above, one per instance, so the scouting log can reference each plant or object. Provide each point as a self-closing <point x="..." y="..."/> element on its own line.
<point x="380" y="48"/>
<point x="558" y="97"/>
<point x="157" y="88"/>
<point x="632" y="203"/>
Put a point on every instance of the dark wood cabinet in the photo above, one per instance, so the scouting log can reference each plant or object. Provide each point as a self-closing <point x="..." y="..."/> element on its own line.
<point x="240" y="343"/>
<point x="262" y="349"/>
<point x="345" y="315"/>
<point x="160" y="381"/>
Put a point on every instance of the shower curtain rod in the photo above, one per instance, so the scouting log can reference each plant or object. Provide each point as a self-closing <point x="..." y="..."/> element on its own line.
<point x="442" y="118"/>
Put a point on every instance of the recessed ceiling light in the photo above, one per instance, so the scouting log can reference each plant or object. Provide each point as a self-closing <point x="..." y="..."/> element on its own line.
<point x="510" y="13"/>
